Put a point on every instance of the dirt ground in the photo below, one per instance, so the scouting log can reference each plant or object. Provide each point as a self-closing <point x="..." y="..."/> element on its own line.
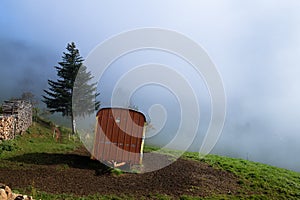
<point x="76" y="173"/>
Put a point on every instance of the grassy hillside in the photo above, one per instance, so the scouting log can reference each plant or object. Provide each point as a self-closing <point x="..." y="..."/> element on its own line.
<point x="259" y="181"/>
<point x="38" y="138"/>
<point x="256" y="181"/>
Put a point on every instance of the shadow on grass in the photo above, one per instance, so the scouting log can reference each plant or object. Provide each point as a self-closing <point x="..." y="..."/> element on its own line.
<point x="69" y="160"/>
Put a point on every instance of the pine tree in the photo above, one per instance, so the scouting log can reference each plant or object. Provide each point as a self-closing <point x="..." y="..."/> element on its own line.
<point x="59" y="95"/>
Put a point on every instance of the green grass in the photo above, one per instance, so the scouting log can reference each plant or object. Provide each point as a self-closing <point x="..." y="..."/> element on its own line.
<point x="116" y="172"/>
<point x="258" y="181"/>
<point x="37" y="139"/>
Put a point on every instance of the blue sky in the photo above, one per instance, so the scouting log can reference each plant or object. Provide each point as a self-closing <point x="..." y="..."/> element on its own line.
<point x="254" y="44"/>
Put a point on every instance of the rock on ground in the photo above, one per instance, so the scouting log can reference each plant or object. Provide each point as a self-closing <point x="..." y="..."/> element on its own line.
<point x="7" y="194"/>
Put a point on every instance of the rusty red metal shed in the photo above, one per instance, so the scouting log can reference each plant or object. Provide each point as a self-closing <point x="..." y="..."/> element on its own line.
<point x="119" y="136"/>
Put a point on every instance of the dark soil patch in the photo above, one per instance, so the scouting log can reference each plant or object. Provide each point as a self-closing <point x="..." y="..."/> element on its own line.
<point x="76" y="174"/>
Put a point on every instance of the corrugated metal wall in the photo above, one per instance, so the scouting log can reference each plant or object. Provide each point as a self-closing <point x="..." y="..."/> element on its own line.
<point x="119" y="135"/>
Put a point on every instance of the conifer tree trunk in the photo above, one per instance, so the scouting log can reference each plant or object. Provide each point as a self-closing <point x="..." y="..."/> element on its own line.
<point x="73" y="124"/>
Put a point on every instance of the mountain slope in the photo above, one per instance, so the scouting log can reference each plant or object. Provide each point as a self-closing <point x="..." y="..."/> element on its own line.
<point x="38" y="165"/>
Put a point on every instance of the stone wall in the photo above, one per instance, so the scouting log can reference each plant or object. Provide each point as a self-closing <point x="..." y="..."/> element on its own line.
<point x="16" y="118"/>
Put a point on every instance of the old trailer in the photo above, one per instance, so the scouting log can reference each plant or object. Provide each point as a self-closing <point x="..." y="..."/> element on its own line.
<point x="119" y="136"/>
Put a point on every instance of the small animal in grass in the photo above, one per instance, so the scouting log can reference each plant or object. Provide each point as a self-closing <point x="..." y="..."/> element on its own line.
<point x="57" y="134"/>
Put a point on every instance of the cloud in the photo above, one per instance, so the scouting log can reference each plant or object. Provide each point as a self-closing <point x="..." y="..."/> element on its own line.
<point x="23" y="68"/>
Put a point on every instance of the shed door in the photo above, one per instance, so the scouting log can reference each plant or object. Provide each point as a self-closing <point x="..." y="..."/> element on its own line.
<point x="119" y="135"/>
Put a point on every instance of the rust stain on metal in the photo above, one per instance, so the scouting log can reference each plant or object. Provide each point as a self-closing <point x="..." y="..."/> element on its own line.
<point x="119" y="135"/>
